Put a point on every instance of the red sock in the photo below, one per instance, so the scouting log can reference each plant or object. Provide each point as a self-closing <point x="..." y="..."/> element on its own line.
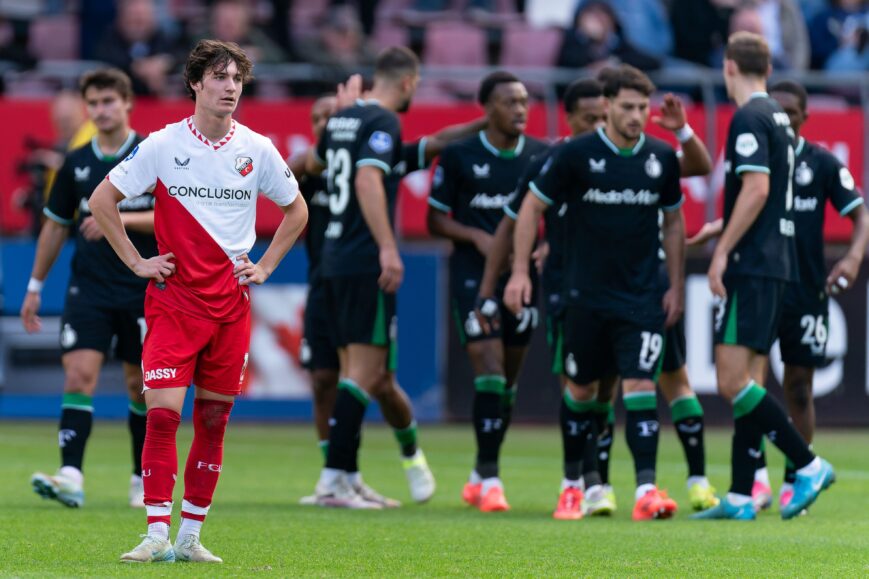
<point x="160" y="463"/>
<point x="205" y="460"/>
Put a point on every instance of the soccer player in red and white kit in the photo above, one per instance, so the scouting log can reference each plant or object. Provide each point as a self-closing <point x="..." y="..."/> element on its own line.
<point x="206" y="172"/>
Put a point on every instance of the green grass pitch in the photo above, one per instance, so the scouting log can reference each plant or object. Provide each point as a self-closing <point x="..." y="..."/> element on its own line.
<point x="260" y="531"/>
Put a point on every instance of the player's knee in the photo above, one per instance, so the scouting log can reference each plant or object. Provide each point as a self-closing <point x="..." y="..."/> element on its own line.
<point x="134" y="387"/>
<point x="80" y="380"/>
<point x="581" y="392"/>
<point x="632" y="386"/>
<point x="323" y="382"/>
<point x="383" y="386"/>
<point x="798" y="390"/>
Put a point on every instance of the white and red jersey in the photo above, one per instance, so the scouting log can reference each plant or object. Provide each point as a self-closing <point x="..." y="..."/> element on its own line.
<point x="205" y="209"/>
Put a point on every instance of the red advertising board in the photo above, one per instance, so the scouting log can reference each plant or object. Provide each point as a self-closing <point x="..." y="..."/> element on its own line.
<point x="287" y="123"/>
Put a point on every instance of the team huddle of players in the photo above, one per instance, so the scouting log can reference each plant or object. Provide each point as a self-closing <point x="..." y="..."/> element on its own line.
<point x="611" y="263"/>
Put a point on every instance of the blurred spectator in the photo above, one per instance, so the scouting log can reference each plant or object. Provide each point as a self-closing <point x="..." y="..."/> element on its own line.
<point x="231" y="22"/>
<point x="367" y="12"/>
<point x="780" y="22"/>
<point x="646" y="25"/>
<point x="136" y="45"/>
<point x="340" y="43"/>
<point x="700" y="28"/>
<point x="13" y="43"/>
<point x="441" y="5"/>
<point x="95" y="18"/>
<point x="836" y="28"/>
<point x="597" y="40"/>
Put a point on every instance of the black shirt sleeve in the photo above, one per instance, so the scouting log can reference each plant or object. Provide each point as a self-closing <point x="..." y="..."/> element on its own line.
<point x="671" y="190"/>
<point x="533" y="169"/>
<point x="839" y="186"/>
<point x="380" y="138"/>
<point x="62" y="200"/>
<point x="444" y="186"/>
<point x="750" y="142"/>
<point x="554" y="179"/>
<point x="413" y="155"/>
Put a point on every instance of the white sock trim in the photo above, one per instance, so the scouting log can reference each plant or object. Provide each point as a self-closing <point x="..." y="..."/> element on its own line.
<point x="188" y="507"/>
<point x="163" y="510"/>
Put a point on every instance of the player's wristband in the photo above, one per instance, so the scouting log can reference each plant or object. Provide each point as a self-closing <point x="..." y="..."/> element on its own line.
<point x="35" y="285"/>
<point x="684" y="134"/>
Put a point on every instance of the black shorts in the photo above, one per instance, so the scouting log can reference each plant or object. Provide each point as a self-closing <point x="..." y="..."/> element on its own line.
<point x="362" y="313"/>
<point x="804" y="327"/>
<point x="318" y="350"/>
<point x="751" y="313"/>
<point x="674" y="347"/>
<point x="87" y="327"/>
<point x="601" y="343"/>
<point x="515" y="331"/>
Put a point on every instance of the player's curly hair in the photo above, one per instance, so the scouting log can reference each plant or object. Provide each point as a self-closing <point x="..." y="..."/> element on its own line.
<point x="215" y="55"/>
<point x="793" y="88"/>
<point x="488" y="84"/>
<point x="625" y="77"/>
<point x="583" y="88"/>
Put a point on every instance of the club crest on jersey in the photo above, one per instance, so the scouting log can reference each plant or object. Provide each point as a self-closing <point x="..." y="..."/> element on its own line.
<point x="244" y="165"/>
<point x="653" y="167"/>
<point x="597" y="166"/>
<point x="481" y="171"/>
<point x="746" y="144"/>
<point x="438" y="178"/>
<point x="82" y="173"/>
<point x="803" y="175"/>
<point x="380" y="142"/>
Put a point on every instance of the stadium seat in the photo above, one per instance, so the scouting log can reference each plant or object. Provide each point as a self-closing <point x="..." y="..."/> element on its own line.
<point x="54" y="37"/>
<point x="454" y="44"/>
<point x="523" y="45"/>
<point x="388" y="34"/>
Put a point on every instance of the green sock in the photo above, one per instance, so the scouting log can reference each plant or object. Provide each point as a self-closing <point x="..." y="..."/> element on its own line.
<point x="324" y="448"/>
<point x="406" y="438"/>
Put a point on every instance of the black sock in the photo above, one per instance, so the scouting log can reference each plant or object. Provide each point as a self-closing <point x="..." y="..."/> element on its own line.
<point x="577" y="428"/>
<point x="604" y="418"/>
<point x="508" y="401"/>
<point x="790" y="472"/>
<point x="744" y="451"/>
<point x="641" y="429"/>
<point x="761" y="460"/>
<point x="136" y="422"/>
<point x="770" y="420"/>
<point x="76" y="421"/>
<point x="488" y="423"/>
<point x="688" y="419"/>
<point x="345" y="433"/>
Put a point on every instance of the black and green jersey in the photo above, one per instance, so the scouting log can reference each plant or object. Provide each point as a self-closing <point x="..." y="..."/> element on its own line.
<point x="760" y="140"/>
<point x="553" y="271"/>
<point x="475" y="181"/>
<point x="365" y="134"/>
<point x="611" y="238"/>
<point x="818" y="177"/>
<point x="313" y="189"/>
<point x="98" y="274"/>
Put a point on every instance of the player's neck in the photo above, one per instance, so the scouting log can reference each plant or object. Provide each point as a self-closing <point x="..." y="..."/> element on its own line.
<point x="384" y="97"/>
<point x="110" y="142"/>
<point x="211" y="126"/>
<point x="501" y="141"/>
<point x="745" y="87"/>
<point x="618" y="140"/>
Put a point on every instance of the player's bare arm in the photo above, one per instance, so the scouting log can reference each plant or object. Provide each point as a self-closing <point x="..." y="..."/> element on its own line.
<point x="749" y="204"/>
<point x="519" y="289"/>
<point x="709" y="230"/>
<point x="295" y="218"/>
<point x="674" y="247"/>
<point x="443" y="225"/>
<point x="51" y="239"/>
<point x="695" y="160"/>
<point x="372" y="202"/>
<point x="104" y="206"/>
<point x="497" y="262"/>
<point x="848" y="267"/>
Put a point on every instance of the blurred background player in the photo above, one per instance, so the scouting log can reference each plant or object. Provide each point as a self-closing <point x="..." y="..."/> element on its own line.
<point x="105" y="300"/>
<point x="818" y="177"/>
<point x="361" y="151"/>
<point x="319" y="353"/>
<point x="207" y="172"/>
<point x="753" y="262"/>
<point x="614" y="181"/>
<point x="472" y="184"/>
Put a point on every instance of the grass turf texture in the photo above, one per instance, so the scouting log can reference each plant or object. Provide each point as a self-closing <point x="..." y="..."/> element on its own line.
<point x="259" y="530"/>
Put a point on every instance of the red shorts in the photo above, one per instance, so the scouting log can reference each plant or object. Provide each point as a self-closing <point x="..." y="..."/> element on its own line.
<point x="180" y="349"/>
